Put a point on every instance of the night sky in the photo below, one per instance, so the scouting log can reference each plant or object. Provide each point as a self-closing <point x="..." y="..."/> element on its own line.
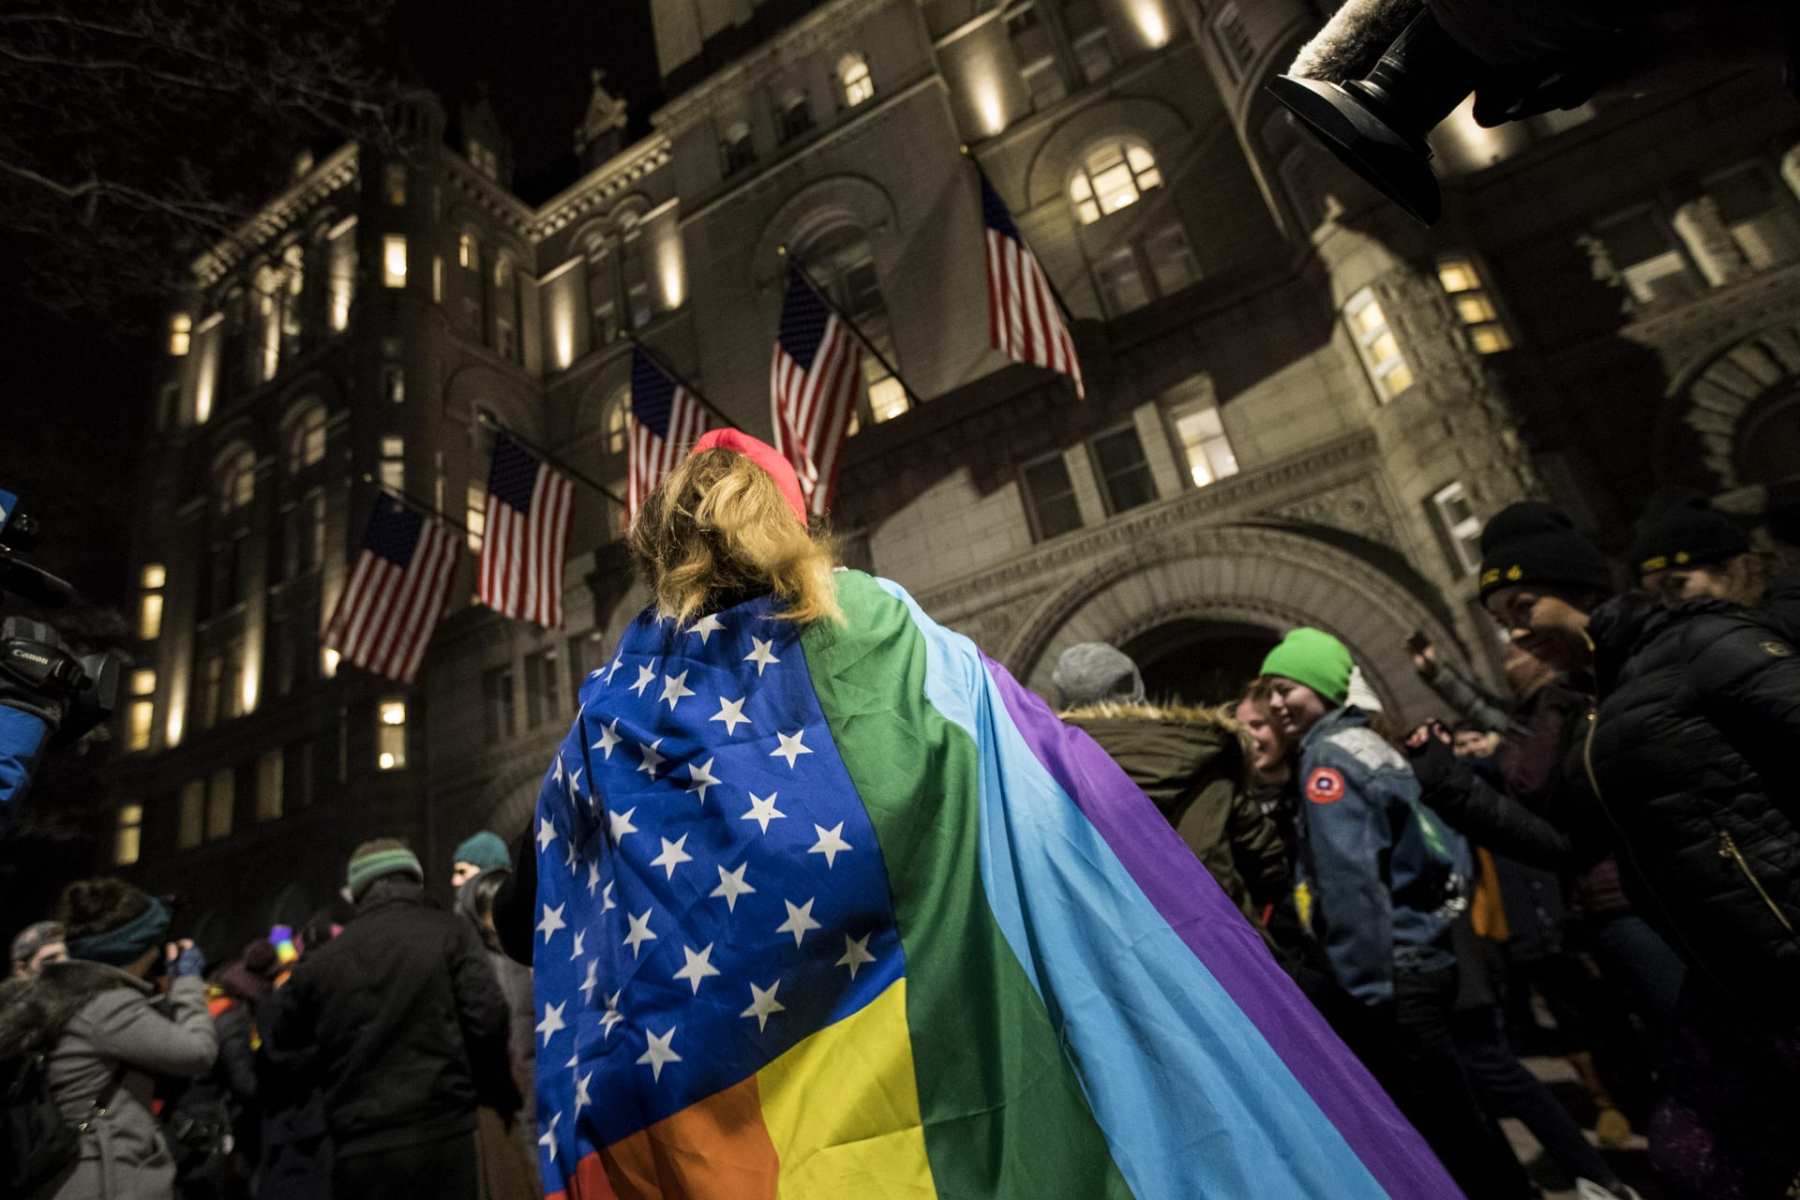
<point x="74" y="390"/>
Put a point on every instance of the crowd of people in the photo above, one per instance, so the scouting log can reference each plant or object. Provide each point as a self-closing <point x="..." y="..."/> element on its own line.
<point x="1613" y="842"/>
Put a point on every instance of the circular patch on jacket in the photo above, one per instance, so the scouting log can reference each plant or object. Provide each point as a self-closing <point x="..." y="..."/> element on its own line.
<point x="1777" y="649"/>
<point x="1324" y="786"/>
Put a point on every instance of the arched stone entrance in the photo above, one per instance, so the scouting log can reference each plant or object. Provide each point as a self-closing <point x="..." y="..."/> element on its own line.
<point x="1196" y="661"/>
<point x="1253" y="577"/>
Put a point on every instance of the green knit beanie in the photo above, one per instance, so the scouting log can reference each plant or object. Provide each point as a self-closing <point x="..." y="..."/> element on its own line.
<point x="484" y="850"/>
<point x="371" y="862"/>
<point x="1314" y="658"/>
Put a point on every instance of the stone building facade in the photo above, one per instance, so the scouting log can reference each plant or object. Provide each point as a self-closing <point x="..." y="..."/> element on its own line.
<point x="1300" y="407"/>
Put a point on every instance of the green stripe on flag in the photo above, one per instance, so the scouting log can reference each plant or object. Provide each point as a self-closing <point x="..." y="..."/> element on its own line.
<point x="1003" y="1111"/>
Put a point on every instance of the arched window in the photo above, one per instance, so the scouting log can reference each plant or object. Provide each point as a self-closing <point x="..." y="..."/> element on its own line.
<point x="306" y="444"/>
<point x="853" y="76"/>
<point x="796" y="116"/>
<point x="736" y="147"/>
<point x="842" y="262"/>
<point x="1112" y="175"/>
<point x="237" y="480"/>
<point x="506" y="307"/>
<point x="617" y="410"/>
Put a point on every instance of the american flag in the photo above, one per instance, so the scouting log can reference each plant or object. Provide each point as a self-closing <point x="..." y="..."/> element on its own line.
<point x="665" y="421"/>
<point x="813" y="385"/>
<point x="396" y="592"/>
<point x="522" y="541"/>
<point x="1025" y="322"/>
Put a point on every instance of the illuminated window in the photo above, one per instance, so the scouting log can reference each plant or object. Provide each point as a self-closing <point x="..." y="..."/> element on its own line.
<point x="181" y="332"/>
<point x="150" y="604"/>
<point x="618" y="412"/>
<point x="468" y="251"/>
<point x="475" y="515"/>
<point x="393" y="260"/>
<point x="269" y="786"/>
<point x="395" y="178"/>
<point x="1113" y="176"/>
<point x="1376" y="343"/>
<point x="1122" y="469"/>
<point x="393" y="383"/>
<point x="1462" y="282"/>
<point x="392" y="470"/>
<point x="237" y="481"/>
<point x="306" y="444"/>
<point x="854" y="78"/>
<point x="1050" y="497"/>
<point x="141" y="716"/>
<point x="343" y="272"/>
<point x="1459" y="525"/>
<point x="128" y="834"/>
<point x="328" y="661"/>
<point x="221" y="801"/>
<point x="1204" y="447"/>
<point x="437" y="279"/>
<point x="390" y="735"/>
<point x="190" y="825"/>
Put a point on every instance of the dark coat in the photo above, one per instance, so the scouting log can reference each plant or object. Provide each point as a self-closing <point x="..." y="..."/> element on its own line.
<point x="1191" y="764"/>
<point x="1692" y="759"/>
<point x="406" y="1023"/>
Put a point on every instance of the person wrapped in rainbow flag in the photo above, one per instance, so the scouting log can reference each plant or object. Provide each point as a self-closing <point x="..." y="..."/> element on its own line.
<point x="830" y="906"/>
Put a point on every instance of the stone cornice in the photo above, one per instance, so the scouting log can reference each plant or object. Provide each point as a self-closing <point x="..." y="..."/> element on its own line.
<point x="486" y="194"/>
<point x="278" y="215"/>
<point x="796" y="41"/>
<point x="595" y="189"/>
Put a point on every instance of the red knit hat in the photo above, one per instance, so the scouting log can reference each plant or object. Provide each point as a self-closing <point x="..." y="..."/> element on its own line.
<point x="764" y="456"/>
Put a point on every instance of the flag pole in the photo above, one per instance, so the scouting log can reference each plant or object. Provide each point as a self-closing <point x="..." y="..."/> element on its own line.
<point x="862" y="337"/>
<point x="414" y="503"/>
<point x="663" y="366"/>
<point x="490" y="422"/>
<point x="1055" y="292"/>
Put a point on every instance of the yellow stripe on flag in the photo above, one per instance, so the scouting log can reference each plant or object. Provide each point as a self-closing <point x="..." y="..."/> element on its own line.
<point x="842" y="1108"/>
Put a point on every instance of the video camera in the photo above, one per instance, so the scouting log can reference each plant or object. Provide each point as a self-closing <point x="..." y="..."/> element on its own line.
<point x="48" y="694"/>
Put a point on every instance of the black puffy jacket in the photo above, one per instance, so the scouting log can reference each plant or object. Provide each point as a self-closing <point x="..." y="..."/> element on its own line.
<point x="1692" y="756"/>
<point x="404" y="1022"/>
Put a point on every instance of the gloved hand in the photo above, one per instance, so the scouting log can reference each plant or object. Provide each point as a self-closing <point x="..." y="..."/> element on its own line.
<point x="185" y="958"/>
<point x="1434" y="763"/>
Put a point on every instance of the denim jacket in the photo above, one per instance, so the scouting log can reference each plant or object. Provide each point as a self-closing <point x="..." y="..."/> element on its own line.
<point x="1387" y="879"/>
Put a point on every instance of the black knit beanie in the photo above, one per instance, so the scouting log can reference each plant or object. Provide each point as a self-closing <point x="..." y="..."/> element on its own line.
<point x="1783" y="522"/>
<point x="1683" y="533"/>
<point x="1532" y="543"/>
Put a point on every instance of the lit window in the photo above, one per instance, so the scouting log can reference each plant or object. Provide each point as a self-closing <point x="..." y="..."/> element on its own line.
<point x="468" y="251"/>
<point x="150" y="604"/>
<point x="268" y="786"/>
<point x="1204" y="446"/>
<point x="1376" y="343"/>
<point x="393" y="383"/>
<point x="221" y="800"/>
<point x="306" y="445"/>
<point x="128" y="834"/>
<point x="190" y="826"/>
<point x="343" y="273"/>
<point x="153" y="575"/>
<point x="141" y="719"/>
<point x="393" y="260"/>
<point x="395" y="176"/>
<point x="392" y="472"/>
<point x="237" y="481"/>
<point x="887" y="396"/>
<point x="1462" y="282"/>
<point x="1124" y="473"/>
<point x="328" y="661"/>
<point x="390" y="735"/>
<point x="437" y="279"/>
<point x="1112" y="176"/>
<point x="1050" y="497"/>
<point x="475" y="515"/>
<point x="854" y="77"/>
<point x="181" y="332"/>
<point x="1459" y="525"/>
<point x="618" y="412"/>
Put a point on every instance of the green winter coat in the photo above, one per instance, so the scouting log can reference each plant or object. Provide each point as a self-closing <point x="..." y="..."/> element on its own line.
<point x="1190" y="762"/>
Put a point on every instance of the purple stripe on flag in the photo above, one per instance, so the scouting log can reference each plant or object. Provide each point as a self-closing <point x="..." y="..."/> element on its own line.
<point x="1232" y="952"/>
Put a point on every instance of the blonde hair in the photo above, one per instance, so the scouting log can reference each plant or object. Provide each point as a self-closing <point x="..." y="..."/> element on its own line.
<point x="718" y="530"/>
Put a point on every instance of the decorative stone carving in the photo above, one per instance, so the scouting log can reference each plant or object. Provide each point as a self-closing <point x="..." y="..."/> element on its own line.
<point x="1356" y="507"/>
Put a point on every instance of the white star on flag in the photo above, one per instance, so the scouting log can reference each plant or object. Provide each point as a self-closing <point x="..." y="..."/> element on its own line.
<point x="581" y="1092"/>
<point x="856" y="953"/>
<point x="763" y="810"/>
<point x="593" y="880"/>
<point x="547" y="1139"/>
<point x="696" y="966"/>
<point x="701" y="777"/>
<point x="609" y="737"/>
<point x="763" y="1005"/>
<point x="791" y="747"/>
<point x="732" y="713"/>
<point x="621" y="823"/>
<point x="590" y="983"/>
<point x="552" y="1024"/>
<point x="546" y="834"/>
<point x="707" y="626"/>
<point x="613" y="668"/>
<point x="672" y="855"/>
<point x="552" y="921"/>
<point x="646" y="677"/>
<point x="761" y="654"/>
<point x="799" y="920"/>
<point x="574" y="785"/>
<point x="569" y="857"/>
<point x="639" y="932"/>
<point x="652" y="759"/>
<point x="556" y="772"/>
<point x="675" y="688"/>
<point x="732" y="885"/>
<point x="658" y="1052"/>
<point x="576" y="953"/>
<point x="607" y="903"/>
<point x="831" y="843"/>
<point x="612" y="1016"/>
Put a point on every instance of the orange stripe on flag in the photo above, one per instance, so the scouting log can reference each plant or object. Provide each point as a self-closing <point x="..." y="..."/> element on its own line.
<point x="715" y="1148"/>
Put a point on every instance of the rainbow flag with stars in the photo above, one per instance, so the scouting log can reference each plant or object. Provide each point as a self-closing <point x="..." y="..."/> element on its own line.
<point x="842" y="912"/>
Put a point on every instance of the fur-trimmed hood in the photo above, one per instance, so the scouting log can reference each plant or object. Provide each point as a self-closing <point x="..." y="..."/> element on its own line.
<point x="1166" y="747"/>
<point x="33" y="1012"/>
